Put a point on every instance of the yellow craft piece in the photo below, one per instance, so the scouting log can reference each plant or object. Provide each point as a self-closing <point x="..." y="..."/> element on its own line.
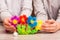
<point x="15" y="21"/>
<point x="39" y="23"/>
<point x="37" y="27"/>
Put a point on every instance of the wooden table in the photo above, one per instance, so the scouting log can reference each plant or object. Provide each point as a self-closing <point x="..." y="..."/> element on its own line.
<point x="39" y="36"/>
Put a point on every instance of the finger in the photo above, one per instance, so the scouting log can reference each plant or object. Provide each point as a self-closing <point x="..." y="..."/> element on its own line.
<point x="50" y="29"/>
<point x="49" y="25"/>
<point x="45" y="25"/>
<point x="53" y="25"/>
<point x="11" y="28"/>
<point x="7" y="26"/>
<point x="7" y="23"/>
<point x="50" y="21"/>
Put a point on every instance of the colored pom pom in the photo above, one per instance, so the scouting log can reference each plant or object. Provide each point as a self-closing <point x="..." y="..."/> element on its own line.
<point x="15" y="34"/>
<point x="32" y="21"/>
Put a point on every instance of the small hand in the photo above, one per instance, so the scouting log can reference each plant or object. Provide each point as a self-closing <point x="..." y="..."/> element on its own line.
<point x="8" y="26"/>
<point x="50" y="26"/>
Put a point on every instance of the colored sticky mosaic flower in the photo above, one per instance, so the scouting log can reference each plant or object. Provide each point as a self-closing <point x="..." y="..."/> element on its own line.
<point x="32" y="21"/>
<point x="23" y="19"/>
<point x="26" y="25"/>
<point x="14" y="20"/>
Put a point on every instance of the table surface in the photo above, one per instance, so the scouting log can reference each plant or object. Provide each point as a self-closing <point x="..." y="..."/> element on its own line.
<point x="39" y="36"/>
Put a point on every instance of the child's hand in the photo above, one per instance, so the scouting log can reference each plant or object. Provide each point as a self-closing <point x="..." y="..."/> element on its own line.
<point x="50" y="26"/>
<point x="8" y="26"/>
